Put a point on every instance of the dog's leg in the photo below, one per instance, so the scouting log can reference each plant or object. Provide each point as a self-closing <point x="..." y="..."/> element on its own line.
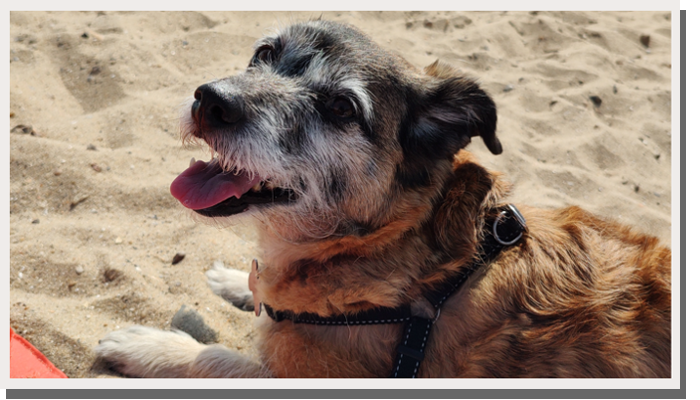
<point x="232" y="285"/>
<point x="146" y="352"/>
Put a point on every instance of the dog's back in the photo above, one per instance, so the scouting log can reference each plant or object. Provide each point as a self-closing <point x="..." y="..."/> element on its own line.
<point x="579" y="297"/>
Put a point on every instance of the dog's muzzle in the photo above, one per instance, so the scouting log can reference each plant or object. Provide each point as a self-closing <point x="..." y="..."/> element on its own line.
<point x="205" y="187"/>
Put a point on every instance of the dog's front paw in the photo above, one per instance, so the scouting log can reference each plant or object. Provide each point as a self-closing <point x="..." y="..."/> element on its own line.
<point x="145" y="352"/>
<point x="232" y="285"/>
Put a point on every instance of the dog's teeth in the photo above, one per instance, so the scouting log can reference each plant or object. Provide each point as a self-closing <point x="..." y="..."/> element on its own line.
<point x="257" y="187"/>
<point x="192" y="162"/>
<point x="268" y="185"/>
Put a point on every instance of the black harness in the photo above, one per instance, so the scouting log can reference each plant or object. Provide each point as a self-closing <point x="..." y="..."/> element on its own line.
<point x="506" y="230"/>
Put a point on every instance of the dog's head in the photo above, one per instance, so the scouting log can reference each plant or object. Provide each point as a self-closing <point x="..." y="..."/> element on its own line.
<point x="326" y="130"/>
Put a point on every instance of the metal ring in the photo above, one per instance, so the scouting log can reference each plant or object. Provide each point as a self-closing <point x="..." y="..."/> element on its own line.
<point x="495" y="231"/>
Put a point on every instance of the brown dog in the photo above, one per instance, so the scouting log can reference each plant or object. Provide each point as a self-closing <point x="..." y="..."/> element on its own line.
<point x="349" y="162"/>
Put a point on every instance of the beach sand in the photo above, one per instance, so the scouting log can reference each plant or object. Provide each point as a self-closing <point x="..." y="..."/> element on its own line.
<point x="584" y="108"/>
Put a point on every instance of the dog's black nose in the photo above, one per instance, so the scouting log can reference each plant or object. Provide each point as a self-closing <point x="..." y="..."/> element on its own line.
<point x="215" y="106"/>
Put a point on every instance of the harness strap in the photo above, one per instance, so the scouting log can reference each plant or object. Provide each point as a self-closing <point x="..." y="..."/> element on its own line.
<point x="411" y="350"/>
<point x="381" y="315"/>
<point x="505" y="230"/>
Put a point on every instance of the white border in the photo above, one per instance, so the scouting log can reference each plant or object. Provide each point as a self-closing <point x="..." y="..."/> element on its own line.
<point x="591" y="5"/>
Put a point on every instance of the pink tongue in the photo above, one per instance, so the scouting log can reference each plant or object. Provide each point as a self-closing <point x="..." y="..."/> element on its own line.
<point x="205" y="184"/>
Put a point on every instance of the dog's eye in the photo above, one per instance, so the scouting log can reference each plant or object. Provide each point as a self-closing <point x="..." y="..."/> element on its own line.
<point x="264" y="54"/>
<point x="341" y="107"/>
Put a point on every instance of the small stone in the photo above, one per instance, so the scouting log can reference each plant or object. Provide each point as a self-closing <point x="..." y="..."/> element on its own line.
<point x="118" y="240"/>
<point x="597" y="101"/>
<point x="111" y="274"/>
<point x="96" y="167"/>
<point x="508" y="88"/>
<point x="178" y="257"/>
<point x="79" y="269"/>
<point x="645" y="40"/>
<point x="36" y="221"/>
<point x="191" y="322"/>
<point x="91" y="147"/>
<point x="615" y="89"/>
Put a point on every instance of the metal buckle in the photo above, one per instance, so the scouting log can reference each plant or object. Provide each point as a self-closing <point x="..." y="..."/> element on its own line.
<point x="510" y="209"/>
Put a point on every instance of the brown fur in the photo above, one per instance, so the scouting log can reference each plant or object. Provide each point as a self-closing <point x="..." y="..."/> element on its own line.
<point x="578" y="297"/>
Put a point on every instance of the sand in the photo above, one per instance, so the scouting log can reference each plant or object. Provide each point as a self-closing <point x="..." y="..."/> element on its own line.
<point x="584" y="116"/>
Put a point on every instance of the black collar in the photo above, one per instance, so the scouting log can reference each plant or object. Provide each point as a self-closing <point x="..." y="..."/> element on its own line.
<point x="505" y="230"/>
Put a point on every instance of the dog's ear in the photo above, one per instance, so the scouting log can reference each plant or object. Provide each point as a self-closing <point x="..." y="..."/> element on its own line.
<point x="454" y="109"/>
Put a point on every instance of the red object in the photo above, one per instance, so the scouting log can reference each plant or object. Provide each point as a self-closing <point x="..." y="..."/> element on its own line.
<point x="28" y="362"/>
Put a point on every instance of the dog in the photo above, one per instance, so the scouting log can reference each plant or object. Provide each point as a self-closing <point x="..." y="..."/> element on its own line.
<point x="351" y="163"/>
